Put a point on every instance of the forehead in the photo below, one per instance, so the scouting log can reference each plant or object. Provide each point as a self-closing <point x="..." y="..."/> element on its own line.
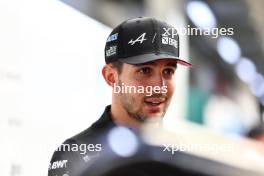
<point x="160" y="62"/>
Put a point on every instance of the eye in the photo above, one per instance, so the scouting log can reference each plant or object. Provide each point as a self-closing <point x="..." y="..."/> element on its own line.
<point x="145" y="70"/>
<point x="169" y="71"/>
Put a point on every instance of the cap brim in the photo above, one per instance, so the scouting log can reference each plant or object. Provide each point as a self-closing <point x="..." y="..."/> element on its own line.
<point x="144" y="58"/>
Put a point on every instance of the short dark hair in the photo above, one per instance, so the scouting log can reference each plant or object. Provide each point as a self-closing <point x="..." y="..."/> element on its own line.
<point x="118" y="65"/>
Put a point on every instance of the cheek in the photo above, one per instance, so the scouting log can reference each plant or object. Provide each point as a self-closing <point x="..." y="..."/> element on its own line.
<point x="170" y="88"/>
<point x="127" y="79"/>
<point x="134" y="93"/>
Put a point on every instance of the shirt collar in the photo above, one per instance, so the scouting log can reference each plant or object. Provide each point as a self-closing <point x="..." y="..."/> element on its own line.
<point x="105" y="120"/>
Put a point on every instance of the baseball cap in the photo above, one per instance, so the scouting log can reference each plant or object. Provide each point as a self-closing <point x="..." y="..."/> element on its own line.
<point x="143" y="39"/>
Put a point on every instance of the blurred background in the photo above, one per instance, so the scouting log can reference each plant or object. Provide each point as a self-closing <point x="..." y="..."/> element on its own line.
<point x="52" y="52"/>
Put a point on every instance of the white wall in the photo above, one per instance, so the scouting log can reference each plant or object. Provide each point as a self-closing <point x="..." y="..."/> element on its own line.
<point x="50" y="83"/>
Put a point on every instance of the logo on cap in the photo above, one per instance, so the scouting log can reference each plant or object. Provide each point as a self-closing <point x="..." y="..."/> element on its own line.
<point x="111" y="51"/>
<point x="167" y="40"/>
<point x="140" y="39"/>
<point x="112" y="37"/>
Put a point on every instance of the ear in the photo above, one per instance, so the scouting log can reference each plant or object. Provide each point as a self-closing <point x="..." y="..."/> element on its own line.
<point x="109" y="74"/>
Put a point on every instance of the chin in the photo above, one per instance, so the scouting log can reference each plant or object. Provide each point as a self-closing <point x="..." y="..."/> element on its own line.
<point x="156" y="115"/>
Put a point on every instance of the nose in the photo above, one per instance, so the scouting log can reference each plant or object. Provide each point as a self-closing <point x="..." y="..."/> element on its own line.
<point x="159" y="80"/>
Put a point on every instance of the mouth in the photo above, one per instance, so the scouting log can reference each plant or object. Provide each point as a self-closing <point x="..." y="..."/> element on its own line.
<point x="154" y="101"/>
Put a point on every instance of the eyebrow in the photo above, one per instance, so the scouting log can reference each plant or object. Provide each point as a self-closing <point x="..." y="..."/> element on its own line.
<point x="172" y="65"/>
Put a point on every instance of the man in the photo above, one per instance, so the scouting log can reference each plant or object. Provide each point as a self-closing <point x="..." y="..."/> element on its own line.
<point x="141" y="58"/>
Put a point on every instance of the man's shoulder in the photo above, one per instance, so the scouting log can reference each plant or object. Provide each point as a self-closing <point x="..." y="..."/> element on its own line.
<point x="84" y="136"/>
<point x="92" y="134"/>
<point x="85" y="140"/>
<point x="73" y="155"/>
<point x="83" y="148"/>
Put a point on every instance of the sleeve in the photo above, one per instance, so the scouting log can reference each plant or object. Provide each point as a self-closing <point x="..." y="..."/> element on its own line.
<point x="65" y="161"/>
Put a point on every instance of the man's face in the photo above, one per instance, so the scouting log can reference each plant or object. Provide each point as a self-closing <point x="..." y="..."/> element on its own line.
<point x="157" y="80"/>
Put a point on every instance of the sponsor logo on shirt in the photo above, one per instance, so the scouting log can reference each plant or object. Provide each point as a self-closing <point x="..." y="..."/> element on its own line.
<point x="58" y="164"/>
<point x="88" y="158"/>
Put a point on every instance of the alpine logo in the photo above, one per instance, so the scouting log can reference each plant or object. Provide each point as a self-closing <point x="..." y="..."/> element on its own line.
<point x="140" y="39"/>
